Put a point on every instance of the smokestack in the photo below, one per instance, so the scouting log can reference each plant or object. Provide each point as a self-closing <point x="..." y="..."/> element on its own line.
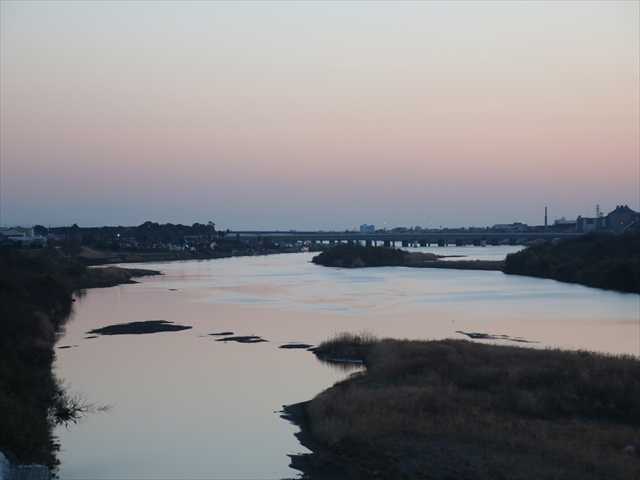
<point x="545" y="217"/>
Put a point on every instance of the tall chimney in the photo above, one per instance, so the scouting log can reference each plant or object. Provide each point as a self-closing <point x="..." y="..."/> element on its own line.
<point x="545" y="217"/>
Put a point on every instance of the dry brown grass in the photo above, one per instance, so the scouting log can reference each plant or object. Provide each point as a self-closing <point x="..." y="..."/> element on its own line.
<point x="353" y="346"/>
<point x="432" y="409"/>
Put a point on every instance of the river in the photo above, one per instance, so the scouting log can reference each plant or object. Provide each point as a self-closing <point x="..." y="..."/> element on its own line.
<point x="182" y="405"/>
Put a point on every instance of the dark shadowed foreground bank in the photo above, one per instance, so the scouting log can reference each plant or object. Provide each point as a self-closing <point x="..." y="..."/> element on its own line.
<point x="454" y="409"/>
<point x="36" y="290"/>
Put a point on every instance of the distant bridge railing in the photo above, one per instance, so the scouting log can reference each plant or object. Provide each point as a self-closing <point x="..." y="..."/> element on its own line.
<point x="404" y="237"/>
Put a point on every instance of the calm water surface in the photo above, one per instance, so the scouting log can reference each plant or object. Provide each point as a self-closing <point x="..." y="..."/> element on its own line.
<point x="185" y="406"/>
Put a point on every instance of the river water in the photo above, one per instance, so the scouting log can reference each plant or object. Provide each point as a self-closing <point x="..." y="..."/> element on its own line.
<point x="182" y="405"/>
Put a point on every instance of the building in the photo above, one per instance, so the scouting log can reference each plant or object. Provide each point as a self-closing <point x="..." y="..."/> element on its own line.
<point x="366" y="228"/>
<point x="22" y="235"/>
<point x="510" y="227"/>
<point x="621" y="219"/>
<point x="589" y="224"/>
<point x="563" y="221"/>
<point x="563" y="224"/>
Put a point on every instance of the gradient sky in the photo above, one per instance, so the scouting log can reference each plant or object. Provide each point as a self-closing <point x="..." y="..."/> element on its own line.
<point x="317" y="115"/>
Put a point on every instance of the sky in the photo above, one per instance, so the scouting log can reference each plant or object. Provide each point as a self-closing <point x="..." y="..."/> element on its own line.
<point x="317" y="115"/>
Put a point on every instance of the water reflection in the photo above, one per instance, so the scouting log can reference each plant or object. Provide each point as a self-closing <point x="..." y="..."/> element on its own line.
<point x="343" y="366"/>
<point x="184" y="405"/>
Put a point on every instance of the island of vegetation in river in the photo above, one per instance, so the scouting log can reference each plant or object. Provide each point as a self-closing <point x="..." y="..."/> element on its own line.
<point x="359" y="256"/>
<point x="456" y="409"/>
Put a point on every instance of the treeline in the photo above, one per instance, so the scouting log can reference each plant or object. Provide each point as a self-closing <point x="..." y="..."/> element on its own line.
<point x="35" y="300"/>
<point x="142" y="236"/>
<point x="596" y="260"/>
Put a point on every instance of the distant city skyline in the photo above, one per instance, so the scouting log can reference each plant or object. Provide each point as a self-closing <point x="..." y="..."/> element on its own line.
<point x="355" y="227"/>
<point x="317" y="115"/>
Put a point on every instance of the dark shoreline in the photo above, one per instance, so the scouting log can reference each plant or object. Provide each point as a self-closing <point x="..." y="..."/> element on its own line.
<point x="36" y="300"/>
<point x="111" y="258"/>
<point x="103" y="277"/>
<point x="488" y="265"/>
<point x="321" y="463"/>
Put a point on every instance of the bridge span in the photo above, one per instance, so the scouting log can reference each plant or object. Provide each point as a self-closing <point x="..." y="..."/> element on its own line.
<point x="389" y="238"/>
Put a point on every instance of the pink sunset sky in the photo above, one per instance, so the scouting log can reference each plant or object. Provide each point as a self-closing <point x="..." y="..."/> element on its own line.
<point x="317" y="114"/>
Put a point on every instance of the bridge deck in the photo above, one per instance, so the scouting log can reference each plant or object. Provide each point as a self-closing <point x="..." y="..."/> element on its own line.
<point x="401" y="236"/>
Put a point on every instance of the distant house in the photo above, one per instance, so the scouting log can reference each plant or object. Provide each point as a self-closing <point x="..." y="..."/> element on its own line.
<point x="17" y="232"/>
<point x="621" y="219"/>
<point x="366" y="228"/>
<point x="22" y="235"/>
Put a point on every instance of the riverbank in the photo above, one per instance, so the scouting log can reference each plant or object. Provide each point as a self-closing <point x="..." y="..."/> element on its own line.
<point x="103" y="277"/>
<point x="93" y="257"/>
<point x="490" y="265"/>
<point x="457" y="409"/>
<point x="36" y="289"/>
<point x="602" y="260"/>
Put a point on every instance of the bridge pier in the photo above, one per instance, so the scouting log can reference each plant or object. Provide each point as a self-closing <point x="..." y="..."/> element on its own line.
<point x="422" y="239"/>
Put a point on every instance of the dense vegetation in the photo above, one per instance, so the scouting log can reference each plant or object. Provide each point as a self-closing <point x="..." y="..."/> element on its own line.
<point x="145" y="234"/>
<point x="353" y="256"/>
<point x="153" y="242"/>
<point x="36" y="289"/>
<point x="457" y="409"/>
<point x="604" y="261"/>
<point x="357" y="256"/>
<point x="35" y="299"/>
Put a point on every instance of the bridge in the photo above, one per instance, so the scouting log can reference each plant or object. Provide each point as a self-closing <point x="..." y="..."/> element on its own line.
<point x="413" y="238"/>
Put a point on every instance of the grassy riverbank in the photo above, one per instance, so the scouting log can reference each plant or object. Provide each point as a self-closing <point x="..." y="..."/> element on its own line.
<point x="457" y="409"/>
<point x="92" y="256"/>
<point x="36" y="290"/>
<point x="604" y="261"/>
